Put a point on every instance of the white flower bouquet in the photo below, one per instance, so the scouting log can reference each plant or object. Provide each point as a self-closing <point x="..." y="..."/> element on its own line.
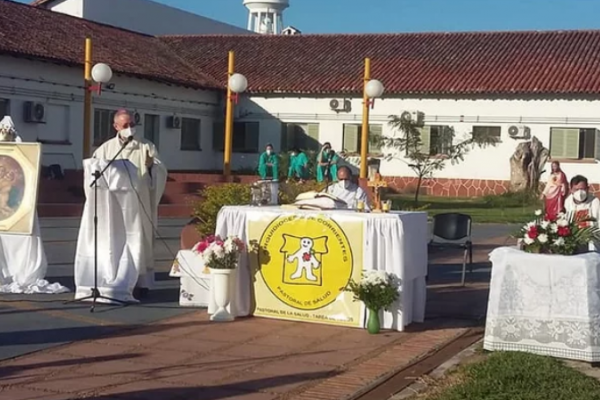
<point x="218" y="253"/>
<point x="377" y="289"/>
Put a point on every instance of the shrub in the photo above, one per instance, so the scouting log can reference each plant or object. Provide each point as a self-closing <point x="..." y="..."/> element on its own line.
<point x="213" y="198"/>
<point x="288" y="191"/>
<point x="512" y="199"/>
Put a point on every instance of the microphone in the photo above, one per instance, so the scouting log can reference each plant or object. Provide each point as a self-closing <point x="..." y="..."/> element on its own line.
<point x="125" y="141"/>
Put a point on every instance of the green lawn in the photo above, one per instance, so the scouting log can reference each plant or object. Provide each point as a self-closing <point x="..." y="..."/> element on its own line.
<point x="516" y="376"/>
<point x="479" y="209"/>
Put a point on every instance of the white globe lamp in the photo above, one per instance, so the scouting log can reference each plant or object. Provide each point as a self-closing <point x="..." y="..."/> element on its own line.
<point x="374" y="89"/>
<point x="101" y="73"/>
<point x="238" y="83"/>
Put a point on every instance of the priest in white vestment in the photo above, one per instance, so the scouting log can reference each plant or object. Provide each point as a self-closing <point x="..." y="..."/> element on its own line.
<point x="23" y="263"/>
<point x="583" y="205"/>
<point x="150" y="185"/>
<point x="348" y="191"/>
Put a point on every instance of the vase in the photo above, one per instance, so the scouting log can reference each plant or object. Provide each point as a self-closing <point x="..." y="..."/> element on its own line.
<point x="373" y="325"/>
<point x="221" y="293"/>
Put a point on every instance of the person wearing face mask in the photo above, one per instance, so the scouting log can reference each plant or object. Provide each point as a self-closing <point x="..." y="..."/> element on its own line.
<point x="346" y="190"/>
<point x="268" y="164"/>
<point x="583" y="205"/>
<point x="152" y="176"/>
<point x="298" y="166"/>
<point x="327" y="164"/>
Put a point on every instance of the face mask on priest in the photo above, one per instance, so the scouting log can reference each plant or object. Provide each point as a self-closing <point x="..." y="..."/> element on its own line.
<point x="344" y="177"/>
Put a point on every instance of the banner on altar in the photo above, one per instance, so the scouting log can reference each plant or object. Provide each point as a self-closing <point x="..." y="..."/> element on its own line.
<point x="301" y="265"/>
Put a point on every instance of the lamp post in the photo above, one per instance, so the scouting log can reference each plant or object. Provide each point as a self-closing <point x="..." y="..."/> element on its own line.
<point x="236" y="84"/>
<point x="100" y="73"/>
<point x="372" y="90"/>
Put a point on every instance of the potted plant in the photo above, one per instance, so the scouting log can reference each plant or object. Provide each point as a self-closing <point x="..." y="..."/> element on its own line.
<point x="564" y="234"/>
<point x="221" y="256"/>
<point x="377" y="290"/>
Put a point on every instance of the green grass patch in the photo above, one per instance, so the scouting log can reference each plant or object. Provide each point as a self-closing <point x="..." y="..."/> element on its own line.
<point x="504" y="209"/>
<point x="517" y="376"/>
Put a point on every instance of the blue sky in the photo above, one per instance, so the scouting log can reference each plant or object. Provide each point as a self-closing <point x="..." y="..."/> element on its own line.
<point x="381" y="16"/>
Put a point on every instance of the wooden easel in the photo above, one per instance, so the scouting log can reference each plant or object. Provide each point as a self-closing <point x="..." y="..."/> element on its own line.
<point x="376" y="184"/>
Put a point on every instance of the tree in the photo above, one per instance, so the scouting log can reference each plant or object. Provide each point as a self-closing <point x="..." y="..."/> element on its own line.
<point x="425" y="157"/>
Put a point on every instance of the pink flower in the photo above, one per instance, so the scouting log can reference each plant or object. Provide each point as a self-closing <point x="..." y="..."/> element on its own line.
<point x="533" y="232"/>
<point x="210" y="239"/>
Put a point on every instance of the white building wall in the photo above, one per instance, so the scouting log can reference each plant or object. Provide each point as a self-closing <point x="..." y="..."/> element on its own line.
<point x="144" y="16"/>
<point x="491" y="163"/>
<point x="70" y="7"/>
<point x="59" y="88"/>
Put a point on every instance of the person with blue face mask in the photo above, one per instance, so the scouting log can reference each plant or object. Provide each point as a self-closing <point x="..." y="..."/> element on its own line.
<point x="348" y="191"/>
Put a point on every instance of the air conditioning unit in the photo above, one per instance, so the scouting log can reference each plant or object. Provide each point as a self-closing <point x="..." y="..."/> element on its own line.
<point x="339" y="105"/>
<point x="417" y="118"/>
<point x="519" y="132"/>
<point x="174" y="122"/>
<point x="34" y="113"/>
<point x="137" y="118"/>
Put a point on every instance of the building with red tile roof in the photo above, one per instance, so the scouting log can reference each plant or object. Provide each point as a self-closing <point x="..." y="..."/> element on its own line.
<point x="544" y="84"/>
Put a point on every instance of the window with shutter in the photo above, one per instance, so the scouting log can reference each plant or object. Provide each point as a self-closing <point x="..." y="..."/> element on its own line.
<point x="351" y="138"/>
<point x="219" y="136"/>
<point x="425" y="147"/>
<point x="597" y="144"/>
<point x="313" y="137"/>
<point x="375" y="133"/>
<point x="565" y="143"/>
<point x="287" y="137"/>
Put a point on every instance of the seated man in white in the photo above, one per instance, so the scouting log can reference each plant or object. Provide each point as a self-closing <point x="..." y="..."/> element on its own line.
<point x="582" y="204"/>
<point x="126" y="234"/>
<point x="23" y="262"/>
<point x="348" y="191"/>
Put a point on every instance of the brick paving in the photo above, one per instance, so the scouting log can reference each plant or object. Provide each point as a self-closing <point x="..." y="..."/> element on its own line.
<point x="188" y="357"/>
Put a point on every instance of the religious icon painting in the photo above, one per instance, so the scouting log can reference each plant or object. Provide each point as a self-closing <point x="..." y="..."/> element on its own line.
<point x="19" y="179"/>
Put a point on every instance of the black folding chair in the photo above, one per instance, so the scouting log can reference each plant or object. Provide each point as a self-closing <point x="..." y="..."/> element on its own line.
<point x="455" y="230"/>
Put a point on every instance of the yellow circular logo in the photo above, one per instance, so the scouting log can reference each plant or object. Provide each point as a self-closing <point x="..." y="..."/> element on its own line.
<point x="306" y="262"/>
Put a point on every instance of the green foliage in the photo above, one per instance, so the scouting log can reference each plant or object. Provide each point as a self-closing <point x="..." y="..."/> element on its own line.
<point x="284" y="164"/>
<point x="377" y="290"/>
<point x="442" y="148"/>
<point x="512" y="199"/>
<point x="288" y="191"/>
<point x="565" y="235"/>
<point x="213" y="198"/>
<point x="519" y="376"/>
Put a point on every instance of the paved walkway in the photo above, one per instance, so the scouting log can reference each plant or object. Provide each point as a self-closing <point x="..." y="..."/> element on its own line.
<point x="126" y="356"/>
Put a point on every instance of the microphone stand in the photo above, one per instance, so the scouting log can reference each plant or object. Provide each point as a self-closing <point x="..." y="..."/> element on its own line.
<point x="95" y="295"/>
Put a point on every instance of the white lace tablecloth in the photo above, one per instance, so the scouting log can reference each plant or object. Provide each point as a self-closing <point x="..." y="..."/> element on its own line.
<point x="544" y="304"/>
<point x="395" y="242"/>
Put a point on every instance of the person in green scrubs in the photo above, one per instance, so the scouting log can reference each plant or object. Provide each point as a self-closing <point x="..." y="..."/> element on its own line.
<point x="327" y="164"/>
<point x="268" y="164"/>
<point x="298" y="166"/>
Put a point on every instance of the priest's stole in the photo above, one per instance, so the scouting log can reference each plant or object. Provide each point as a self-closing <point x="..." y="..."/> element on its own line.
<point x="301" y="265"/>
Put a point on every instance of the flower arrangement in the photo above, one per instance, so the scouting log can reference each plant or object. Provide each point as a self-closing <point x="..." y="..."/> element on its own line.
<point x="219" y="253"/>
<point x="564" y="234"/>
<point x="377" y="290"/>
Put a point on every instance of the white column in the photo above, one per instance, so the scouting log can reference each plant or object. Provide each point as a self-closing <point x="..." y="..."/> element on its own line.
<point x="250" y="17"/>
<point x="275" y="23"/>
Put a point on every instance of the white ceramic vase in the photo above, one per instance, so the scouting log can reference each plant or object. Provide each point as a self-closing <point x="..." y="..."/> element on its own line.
<point x="221" y="293"/>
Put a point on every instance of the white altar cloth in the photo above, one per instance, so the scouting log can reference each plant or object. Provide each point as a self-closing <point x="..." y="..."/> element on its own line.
<point x="395" y="242"/>
<point x="544" y="304"/>
<point x="194" y="280"/>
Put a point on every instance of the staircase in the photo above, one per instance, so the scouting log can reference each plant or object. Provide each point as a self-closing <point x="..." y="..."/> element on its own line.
<point x="65" y="197"/>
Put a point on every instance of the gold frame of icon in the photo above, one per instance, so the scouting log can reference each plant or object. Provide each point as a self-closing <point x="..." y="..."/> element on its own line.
<point x="28" y="156"/>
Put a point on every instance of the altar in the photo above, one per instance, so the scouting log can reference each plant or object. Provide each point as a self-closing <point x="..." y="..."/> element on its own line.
<point x="544" y="304"/>
<point x="299" y="262"/>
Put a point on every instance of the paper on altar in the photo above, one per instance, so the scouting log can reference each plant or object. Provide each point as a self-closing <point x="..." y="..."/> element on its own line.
<point x="120" y="237"/>
<point x="319" y="201"/>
